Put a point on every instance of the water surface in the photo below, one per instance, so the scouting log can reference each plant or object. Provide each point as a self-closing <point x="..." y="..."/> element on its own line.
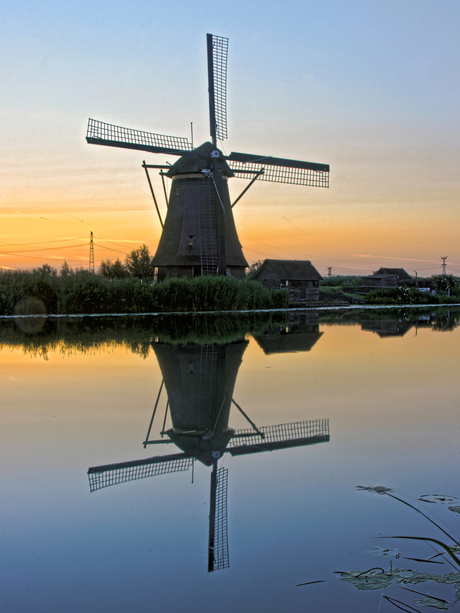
<point x="292" y="418"/>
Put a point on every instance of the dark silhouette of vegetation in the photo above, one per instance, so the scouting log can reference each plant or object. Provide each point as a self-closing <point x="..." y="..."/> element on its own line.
<point x="447" y="284"/>
<point x="411" y="295"/>
<point x="113" y="270"/>
<point x="348" y="281"/>
<point x="252" y="269"/>
<point x="138" y="263"/>
<point x="80" y="292"/>
<point x="70" y="335"/>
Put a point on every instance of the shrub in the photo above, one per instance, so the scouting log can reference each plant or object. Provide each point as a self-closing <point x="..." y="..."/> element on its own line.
<point x="83" y="293"/>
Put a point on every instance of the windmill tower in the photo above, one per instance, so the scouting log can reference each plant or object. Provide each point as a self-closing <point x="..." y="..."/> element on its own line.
<point x="199" y="381"/>
<point x="199" y="234"/>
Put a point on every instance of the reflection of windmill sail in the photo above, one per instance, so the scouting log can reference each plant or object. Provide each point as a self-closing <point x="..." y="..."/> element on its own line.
<point x="111" y="474"/>
<point x="296" y="434"/>
<point x="218" y="556"/>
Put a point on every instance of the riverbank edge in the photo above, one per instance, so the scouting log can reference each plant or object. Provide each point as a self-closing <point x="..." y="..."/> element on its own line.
<point x="233" y="312"/>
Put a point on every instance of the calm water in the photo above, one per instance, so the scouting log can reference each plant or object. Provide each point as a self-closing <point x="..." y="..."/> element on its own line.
<point x="360" y="400"/>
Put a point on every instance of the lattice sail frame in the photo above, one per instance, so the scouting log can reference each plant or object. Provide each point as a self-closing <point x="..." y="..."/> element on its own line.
<point x="282" y="433"/>
<point x="221" y="555"/>
<point x="101" y="477"/>
<point x="281" y="174"/>
<point x="99" y="130"/>
<point x="219" y="63"/>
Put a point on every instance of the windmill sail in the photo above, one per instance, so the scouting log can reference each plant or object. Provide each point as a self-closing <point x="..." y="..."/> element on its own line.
<point x="217" y="83"/>
<point x="112" y="474"/>
<point x="279" y="170"/>
<point x="296" y="434"/>
<point x="100" y="133"/>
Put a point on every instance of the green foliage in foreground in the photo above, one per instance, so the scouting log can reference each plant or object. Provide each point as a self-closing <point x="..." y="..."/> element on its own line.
<point x="409" y="295"/>
<point x="340" y="282"/>
<point x="91" y="294"/>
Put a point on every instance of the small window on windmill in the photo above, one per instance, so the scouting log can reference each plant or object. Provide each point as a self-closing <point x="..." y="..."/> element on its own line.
<point x="177" y="190"/>
<point x="190" y="240"/>
<point x="190" y="368"/>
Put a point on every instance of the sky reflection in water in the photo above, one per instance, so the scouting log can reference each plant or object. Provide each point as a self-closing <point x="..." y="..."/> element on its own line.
<point x="388" y="389"/>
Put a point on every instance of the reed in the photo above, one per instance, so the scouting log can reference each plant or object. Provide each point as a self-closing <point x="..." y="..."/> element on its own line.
<point x="84" y="293"/>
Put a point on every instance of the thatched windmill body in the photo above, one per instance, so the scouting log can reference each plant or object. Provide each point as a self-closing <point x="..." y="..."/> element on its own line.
<point x="199" y="234"/>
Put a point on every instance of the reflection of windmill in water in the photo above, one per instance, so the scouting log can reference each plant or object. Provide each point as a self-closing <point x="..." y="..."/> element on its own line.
<point x="199" y="381"/>
<point x="199" y="233"/>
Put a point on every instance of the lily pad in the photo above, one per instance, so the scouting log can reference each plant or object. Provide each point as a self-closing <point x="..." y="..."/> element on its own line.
<point x="433" y="498"/>
<point x="417" y="577"/>
<point x="450" y="578"/>
<point x="374" y="579"/>
<point x="377" y="489"/>
<point x="434" y="603"/>
<point x="380" y="551"/>
<point x="368" y="581"/>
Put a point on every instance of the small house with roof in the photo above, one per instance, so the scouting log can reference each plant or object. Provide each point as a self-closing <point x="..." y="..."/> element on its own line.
<point x="386" y="278"/>
<point x="300" y="277"/>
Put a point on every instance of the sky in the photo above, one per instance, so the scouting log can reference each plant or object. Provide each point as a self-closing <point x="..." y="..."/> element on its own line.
<point x="370" y="87"/>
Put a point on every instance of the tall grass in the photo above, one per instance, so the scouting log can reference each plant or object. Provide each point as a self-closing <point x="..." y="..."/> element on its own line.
<point x="93" y="294"/>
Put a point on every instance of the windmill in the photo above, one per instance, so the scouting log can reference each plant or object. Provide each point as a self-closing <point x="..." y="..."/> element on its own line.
<point x="199" y="380"/>
<point x="199" y="234"/>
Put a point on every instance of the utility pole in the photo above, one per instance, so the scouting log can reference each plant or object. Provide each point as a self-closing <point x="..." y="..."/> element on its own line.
<point x="444" y="265"/>
<point x="91" y="254"/>
<point x="329" y="271"/>
<point x="415" y="278"/>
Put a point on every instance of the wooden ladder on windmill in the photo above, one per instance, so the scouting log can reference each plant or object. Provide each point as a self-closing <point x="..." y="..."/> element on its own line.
<point x="208" y="228"/>
<point x="209" y="363"/>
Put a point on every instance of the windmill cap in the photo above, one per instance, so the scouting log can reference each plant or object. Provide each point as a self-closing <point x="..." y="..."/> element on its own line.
<point x="198" y="159"/>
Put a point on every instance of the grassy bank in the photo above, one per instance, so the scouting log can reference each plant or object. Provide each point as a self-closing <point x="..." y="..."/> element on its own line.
<point x="410" y="295"/>
<point x="23" y="293"/>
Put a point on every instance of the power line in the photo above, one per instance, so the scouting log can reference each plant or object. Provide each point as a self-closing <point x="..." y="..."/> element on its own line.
<point x="110" y="249"/>
<point x="37" y="257"/>
<point x="75" y="238"/>
<point x="42" y="249"/>
<point x="108" y="240"/>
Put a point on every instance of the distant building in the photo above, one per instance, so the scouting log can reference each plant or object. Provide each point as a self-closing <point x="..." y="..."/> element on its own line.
<point x="400" y="273"/>
<point x="386" y="278"/>
<point x="300" y="277"/>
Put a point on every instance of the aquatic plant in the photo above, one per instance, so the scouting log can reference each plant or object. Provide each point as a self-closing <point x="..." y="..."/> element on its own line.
<point x="378" y="579"/>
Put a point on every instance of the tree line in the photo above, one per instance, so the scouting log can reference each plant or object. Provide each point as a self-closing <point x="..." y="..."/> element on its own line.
<point x="136" y="265"/>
